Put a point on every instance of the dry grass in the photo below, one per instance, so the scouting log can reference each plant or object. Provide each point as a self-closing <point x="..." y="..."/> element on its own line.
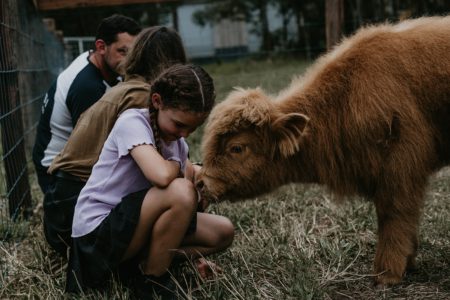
<point x="294" y="243"/>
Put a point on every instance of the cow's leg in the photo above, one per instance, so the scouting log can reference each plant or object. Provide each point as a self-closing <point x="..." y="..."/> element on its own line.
<point x="398" y="221"/>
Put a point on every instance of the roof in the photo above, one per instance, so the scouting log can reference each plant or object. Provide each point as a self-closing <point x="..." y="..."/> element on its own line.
<point x="63" y="4"/>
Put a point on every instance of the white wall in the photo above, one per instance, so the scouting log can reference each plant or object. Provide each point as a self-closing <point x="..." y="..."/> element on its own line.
<point x="198" y="41"/>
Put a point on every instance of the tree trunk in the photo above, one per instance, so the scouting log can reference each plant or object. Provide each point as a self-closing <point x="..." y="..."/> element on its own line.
<point x="265" y="32"/>
<point x="334" y="16"/>
<point x="175" y="16"/>
<point x="284" y="38"/>
<point x="358" y="15"/>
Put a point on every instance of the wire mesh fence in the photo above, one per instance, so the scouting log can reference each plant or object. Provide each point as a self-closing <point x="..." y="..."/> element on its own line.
<point x="30" y="59"/>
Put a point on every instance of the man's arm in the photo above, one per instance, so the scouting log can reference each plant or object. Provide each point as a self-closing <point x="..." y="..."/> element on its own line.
<point x="86" y="89"/>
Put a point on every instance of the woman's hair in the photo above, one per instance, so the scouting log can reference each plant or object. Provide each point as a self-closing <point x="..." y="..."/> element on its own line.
<point x="154" y="49"/>
<point x="184" y="87"/>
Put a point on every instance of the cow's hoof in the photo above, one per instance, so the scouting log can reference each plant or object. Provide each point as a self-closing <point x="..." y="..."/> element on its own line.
<point x="386" y="280"/>
<point x="381" y="287"/>
<point x="411" y="267"/>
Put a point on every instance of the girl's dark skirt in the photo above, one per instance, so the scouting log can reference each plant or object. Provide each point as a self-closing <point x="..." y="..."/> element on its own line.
<point x="96" y="257"/>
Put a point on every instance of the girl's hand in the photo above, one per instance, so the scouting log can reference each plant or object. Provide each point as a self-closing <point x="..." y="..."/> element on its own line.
<point x="177" y="165"/>
<point x="191" y="171"/>
<point x="191" y="174"/>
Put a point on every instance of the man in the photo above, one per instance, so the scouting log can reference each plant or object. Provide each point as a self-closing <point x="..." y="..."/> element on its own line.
<point x="79" y="86"/>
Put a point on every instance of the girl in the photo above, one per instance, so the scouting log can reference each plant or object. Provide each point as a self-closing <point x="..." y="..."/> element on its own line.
<point x="140" y="201"/>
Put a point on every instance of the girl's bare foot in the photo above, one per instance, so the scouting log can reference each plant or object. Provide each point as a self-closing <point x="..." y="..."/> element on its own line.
<point x="206" y="268"/>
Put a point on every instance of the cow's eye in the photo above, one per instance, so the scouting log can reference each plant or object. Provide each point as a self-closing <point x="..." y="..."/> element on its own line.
<point x="236" y="149"/>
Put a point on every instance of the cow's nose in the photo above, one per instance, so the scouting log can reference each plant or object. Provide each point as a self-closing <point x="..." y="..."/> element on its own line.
<point x="200" y="185"/>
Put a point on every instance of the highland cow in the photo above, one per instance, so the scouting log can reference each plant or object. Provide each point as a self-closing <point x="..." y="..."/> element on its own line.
<point x="370" y="118"/>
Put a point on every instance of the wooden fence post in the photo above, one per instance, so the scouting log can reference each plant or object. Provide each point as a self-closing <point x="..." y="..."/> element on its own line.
<point x="334" y="18"/>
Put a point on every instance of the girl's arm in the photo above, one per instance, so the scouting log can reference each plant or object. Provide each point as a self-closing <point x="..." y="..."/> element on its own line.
<point x="155" y="168"/>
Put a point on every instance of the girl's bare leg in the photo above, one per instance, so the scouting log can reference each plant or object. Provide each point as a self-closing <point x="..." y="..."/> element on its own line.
<point x="165" y="216"/>
<point x="214" y="233"/>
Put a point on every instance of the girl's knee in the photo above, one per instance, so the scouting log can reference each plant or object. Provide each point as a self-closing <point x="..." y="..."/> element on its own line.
<point x="228" y="231"/>
<point x="180" y="193"/>
<point x="183" y="194"/>
<point x="224" y="232"/>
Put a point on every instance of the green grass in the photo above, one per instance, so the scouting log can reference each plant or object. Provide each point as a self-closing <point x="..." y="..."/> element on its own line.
<point x="294" y="243"/>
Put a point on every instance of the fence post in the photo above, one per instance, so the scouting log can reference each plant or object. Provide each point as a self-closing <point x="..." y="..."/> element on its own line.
<point x="12" y="133"/>
<point x="334" y="18"/>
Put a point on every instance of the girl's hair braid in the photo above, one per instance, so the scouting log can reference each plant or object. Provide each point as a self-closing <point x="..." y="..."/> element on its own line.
<point x="155" y="128"/>
<point x="186" y="87"/>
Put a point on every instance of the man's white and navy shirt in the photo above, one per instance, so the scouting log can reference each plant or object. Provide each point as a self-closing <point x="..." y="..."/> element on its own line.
<point x="75" y="90"/>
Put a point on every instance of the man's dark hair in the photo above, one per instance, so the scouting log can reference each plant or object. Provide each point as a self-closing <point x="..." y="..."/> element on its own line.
<point x="108" y="29"/>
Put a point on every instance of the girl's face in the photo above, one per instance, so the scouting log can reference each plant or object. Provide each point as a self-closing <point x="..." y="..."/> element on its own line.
<point x="176" y="123"/>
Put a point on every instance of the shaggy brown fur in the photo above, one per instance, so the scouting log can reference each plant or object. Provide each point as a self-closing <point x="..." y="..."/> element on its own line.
<point x="371" y="118"/>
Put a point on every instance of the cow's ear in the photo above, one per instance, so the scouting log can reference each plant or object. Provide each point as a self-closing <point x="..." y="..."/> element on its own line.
<point x="289" y="130"/>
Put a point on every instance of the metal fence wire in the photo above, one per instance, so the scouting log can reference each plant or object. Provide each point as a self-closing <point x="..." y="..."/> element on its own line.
<point x="30" y="59"/>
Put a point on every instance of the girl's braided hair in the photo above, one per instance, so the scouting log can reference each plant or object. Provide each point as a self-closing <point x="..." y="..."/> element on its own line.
<point x="155" y="128"/>
<point x="184" y="87"/>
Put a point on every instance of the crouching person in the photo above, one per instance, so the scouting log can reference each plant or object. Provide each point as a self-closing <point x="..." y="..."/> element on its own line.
<point x="139" y="208"/>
